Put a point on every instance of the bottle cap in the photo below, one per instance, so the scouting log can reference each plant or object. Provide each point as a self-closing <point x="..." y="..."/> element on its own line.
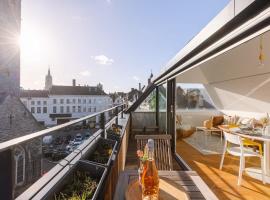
<point x="150" y="144"/>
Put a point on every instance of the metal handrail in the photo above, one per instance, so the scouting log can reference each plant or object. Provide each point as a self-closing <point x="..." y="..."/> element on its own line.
<point x="42" y="185"/>
<point x="13" y="142"/>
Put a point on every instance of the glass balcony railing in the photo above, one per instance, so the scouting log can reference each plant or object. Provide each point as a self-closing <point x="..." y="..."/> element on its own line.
<point x="41" y="165"/>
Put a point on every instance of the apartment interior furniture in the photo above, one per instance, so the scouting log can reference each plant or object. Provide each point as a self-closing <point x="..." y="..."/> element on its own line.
<point x="240" y="151"/>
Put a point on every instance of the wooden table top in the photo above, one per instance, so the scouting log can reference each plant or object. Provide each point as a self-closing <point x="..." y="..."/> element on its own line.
<point x="247" y="134"/>
<point x="188" y="180"/>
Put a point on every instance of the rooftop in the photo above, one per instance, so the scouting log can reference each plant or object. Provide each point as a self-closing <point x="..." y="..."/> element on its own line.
<point x="63" y="90"/>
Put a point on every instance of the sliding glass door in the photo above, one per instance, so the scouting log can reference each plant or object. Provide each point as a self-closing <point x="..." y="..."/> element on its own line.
<point x="162" y="108"/>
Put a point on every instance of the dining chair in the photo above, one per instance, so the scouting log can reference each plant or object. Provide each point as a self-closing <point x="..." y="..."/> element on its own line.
<point x="238" y="149"/>
<point x="162" y="151"/>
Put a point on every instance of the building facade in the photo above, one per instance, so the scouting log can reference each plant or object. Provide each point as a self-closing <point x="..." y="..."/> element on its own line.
<point x="61" y="104"/>
<point x="10" y="22"/>
<point x="15" y="120"/>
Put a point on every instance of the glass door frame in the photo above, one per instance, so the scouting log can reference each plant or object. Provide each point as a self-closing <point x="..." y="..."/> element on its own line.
<point x="171" y="123"/>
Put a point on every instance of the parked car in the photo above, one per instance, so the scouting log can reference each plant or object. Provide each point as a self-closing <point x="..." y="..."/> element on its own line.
<point x="47" y="139"/>
<point x="69" y="149"/>
<point x="78" y="136"/>
<point x="87" y="135"/>
<point x="77" y="140"/>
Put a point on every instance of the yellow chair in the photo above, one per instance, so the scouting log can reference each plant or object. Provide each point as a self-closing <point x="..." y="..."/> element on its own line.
<point x="251" y="143"/>
<point x="248" y="142"/>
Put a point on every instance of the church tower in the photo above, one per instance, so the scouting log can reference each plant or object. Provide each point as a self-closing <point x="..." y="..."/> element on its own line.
<point x="48" y="80"/>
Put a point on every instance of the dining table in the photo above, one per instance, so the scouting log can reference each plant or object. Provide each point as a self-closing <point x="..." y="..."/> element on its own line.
<point x="255" y="172"/>
<point x="188" y="182"/>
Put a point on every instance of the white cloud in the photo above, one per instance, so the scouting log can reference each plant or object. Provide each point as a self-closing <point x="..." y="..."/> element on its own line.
<point x="109" y="1"/>
<point x="85" y="73"/>
<point x="136" y="78"/>
<point x="103" y="60"/>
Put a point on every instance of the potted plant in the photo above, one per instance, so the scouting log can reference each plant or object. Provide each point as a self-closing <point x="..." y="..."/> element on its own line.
<point x="101" y="152"/>
<point x="114" y="132"/>
<point x="83" y="181"/>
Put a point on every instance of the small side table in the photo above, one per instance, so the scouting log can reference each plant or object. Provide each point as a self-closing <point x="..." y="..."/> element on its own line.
<point x="210" y="130"/>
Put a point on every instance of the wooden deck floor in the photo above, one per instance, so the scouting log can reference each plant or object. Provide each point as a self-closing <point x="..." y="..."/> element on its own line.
<point x="224" y="183"/>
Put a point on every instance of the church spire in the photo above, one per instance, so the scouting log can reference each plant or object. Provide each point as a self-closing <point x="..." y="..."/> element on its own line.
<point x="48" y="80"/>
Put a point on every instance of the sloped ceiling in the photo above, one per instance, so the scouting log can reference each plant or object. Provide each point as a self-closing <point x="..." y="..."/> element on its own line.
<point x="235" y="80"/>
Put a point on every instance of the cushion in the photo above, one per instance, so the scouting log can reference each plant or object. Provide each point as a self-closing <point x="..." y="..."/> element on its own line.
<point x="234" y="119"/>
<point x="207" y="124"/>
<point x="226" y="119"/>
<point x="217" y="120"/>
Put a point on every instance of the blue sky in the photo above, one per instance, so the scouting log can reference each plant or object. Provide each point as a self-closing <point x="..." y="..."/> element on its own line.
<point x="115" y="42"/>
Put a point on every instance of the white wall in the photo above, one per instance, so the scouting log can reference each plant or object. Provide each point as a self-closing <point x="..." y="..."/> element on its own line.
<point x="99" y="102"/>
<point x="247" y="97"/>
<point x="196" y="117"/>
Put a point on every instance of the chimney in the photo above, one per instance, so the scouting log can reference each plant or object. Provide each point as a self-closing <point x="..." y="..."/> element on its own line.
<point x="140" y="87"/>
<point x="73" y="82"/>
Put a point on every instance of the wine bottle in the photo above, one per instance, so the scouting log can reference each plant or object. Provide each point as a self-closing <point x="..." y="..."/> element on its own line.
<point x="150" y="179"/>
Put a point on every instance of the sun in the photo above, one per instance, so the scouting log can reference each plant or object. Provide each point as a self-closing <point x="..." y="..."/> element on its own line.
<point x="34" y="44"/>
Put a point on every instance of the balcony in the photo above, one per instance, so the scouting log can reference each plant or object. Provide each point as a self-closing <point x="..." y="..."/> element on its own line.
<point x="221" y="72"/>
<point x="186" y="158"/>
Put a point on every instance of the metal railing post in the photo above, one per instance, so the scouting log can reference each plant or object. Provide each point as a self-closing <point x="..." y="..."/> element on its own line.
<point x="116" y="115"/>
<point x="122" y="113"/>
<point x="102" y="124"/>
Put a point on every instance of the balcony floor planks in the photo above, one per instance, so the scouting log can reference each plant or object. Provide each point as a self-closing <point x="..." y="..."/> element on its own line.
<point x="224" y="183"/>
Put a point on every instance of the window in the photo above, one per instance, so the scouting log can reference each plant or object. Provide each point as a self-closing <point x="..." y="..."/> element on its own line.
<point x="32" y="102"/>
<point x="54" y="109"/>
<point x="54" y="101"/>
<point x="162" y="106"/>
<point x="84" y="101"/>
<point x="192" y="96"/>
<point x="19" y="156"/>
<point x="61" y="109"/>
<point x="89" y="101"/>
<point x="95" y="110"/>
<point x="68" y="102"/>
<point x="79" y="101"/>
<point x="44" y="109"/>
<point x="32" y="109"/>
<point x="44" y="103"/>
<point x="73" y="109"/>
<point x="68" y="109"/>
<point x="61" y="101"/>
<point x="73" y="100"/>
<point x="35" y="167"/>
<point x="79" y="109"/>
<point x="38" y="109"/>
<point x="84" y="109"/>
<point x="149" y="103"/>
<point x="38" y="102"/>
<point x="89" y="109"/>
<point x="94" y="100"/>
